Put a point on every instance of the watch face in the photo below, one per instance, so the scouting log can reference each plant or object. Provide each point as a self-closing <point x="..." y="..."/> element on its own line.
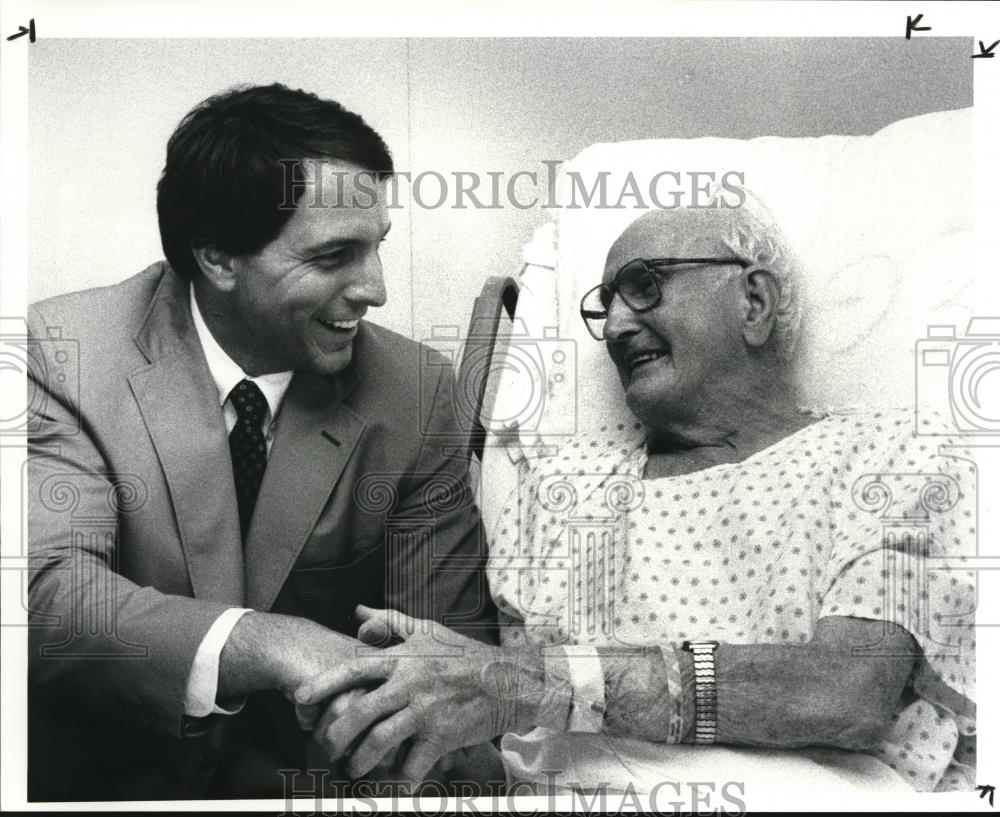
<point x="691" y="646"/>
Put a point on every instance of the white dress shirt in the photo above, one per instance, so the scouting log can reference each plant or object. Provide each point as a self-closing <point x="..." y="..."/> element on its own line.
<point x="203" y="682"/>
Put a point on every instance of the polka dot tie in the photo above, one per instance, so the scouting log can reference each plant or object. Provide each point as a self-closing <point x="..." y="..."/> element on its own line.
<point x="246" y="444"/>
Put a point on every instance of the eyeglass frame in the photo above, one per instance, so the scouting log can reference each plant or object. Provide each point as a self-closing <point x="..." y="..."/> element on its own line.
<point x="649" y="264"/>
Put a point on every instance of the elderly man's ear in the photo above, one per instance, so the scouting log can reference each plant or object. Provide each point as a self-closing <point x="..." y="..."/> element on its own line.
<point x="760" y="306"/>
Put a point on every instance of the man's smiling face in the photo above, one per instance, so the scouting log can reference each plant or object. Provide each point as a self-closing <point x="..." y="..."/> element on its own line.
<point x="670" y="357"/>
<point x="297" y="301"/>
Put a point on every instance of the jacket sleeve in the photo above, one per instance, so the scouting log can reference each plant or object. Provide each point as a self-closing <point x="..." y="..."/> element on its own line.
<point x="436" y="544"/>
<point x="96" y="640"/>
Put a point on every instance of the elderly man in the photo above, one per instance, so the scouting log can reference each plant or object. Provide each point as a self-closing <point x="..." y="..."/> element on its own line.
<point x="745" y="593"/>
<point x="228" y="434"/>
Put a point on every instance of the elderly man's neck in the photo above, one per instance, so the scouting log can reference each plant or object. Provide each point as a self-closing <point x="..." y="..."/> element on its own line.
<point x="731" y="427"/>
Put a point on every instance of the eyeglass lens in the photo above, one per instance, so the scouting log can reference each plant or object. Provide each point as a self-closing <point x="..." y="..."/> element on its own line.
<point x="636" y="285"/>
<point x="634" y="282"/>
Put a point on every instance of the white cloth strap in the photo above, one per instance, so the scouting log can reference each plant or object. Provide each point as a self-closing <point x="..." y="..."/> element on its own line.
<point x="586" y="675"/>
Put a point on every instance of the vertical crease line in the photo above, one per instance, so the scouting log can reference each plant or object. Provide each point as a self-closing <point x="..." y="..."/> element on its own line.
<point x="409" y="151"/>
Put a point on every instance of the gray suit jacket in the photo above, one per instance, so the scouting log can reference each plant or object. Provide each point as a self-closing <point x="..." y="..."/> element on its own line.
<point x="135" y="543"/>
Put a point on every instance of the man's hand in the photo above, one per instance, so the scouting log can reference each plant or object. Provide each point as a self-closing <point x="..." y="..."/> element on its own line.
<point x="272" y="651"/>
<point x="374" y="632"/>
<point x="441" y="692"/>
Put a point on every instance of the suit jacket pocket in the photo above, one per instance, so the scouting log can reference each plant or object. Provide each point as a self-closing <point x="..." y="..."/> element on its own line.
<point x="328" y="592"/>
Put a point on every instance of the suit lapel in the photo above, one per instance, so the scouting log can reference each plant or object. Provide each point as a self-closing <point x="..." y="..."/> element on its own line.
<point x="179" y="404"/>
<point x="315" y="436"/>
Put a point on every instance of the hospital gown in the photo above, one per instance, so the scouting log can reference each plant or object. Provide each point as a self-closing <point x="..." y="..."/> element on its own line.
<point x="852" y="515"/>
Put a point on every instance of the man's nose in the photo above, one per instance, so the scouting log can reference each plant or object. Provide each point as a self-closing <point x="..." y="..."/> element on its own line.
<point x="621" y="323"/>
<point x="369" y="287"/>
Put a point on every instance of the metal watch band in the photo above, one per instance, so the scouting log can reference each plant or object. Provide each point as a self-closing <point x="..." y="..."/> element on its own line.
<point x="706" y="704"/>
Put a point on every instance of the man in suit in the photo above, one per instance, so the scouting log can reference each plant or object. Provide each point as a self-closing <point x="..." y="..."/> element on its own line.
<point x="234" y="462"/>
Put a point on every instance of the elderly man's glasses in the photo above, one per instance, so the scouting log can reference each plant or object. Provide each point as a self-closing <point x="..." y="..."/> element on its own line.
<point x="637" y="285"/>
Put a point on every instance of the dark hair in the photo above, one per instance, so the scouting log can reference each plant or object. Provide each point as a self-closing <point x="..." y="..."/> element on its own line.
<point x="226" y="180"/>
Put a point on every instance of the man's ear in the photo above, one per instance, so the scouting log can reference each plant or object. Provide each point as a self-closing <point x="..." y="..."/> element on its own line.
<point x="217" y="267"/>
<point x="761" y="293"/>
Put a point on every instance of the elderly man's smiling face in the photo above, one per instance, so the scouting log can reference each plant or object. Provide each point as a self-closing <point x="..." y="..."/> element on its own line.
<point x="680" y="357"/>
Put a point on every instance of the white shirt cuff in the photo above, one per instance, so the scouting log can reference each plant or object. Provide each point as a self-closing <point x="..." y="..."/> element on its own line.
<point x="203" y="682"/>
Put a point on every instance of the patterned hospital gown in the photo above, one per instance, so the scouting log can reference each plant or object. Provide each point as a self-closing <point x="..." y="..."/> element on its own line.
<point x="852" y="515"/>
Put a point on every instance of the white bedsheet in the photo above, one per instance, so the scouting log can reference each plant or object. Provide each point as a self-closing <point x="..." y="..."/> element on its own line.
<point x="619" y="763"/>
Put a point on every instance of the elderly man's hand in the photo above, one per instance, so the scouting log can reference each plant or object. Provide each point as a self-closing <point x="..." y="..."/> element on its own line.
<point x="440" y="692"/>
<point x="373" y="632"/>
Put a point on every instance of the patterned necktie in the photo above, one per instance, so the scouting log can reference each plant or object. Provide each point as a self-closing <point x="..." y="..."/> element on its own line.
<point x="247" y="447"/>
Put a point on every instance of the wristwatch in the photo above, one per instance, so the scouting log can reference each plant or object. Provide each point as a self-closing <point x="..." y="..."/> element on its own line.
<point x="706" y="705"/>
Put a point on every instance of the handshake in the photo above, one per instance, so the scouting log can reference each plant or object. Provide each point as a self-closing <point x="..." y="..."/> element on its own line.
<point x="406" y="699"/>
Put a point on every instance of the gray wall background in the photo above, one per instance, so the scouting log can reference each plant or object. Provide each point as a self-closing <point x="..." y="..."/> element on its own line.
<point x="100" y="113"/>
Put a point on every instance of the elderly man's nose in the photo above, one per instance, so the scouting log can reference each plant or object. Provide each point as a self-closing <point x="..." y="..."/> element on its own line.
<point x="621" y="322"/>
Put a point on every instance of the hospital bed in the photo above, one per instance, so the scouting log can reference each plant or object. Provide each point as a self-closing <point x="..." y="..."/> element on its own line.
<point x="882" y="227"/>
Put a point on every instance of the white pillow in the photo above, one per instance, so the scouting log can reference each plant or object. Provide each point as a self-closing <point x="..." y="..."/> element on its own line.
<point x="882" y="225"/>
